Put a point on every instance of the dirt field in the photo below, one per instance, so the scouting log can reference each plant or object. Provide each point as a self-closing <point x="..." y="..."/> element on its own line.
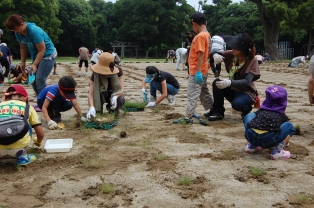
<point x="161" y="164"/>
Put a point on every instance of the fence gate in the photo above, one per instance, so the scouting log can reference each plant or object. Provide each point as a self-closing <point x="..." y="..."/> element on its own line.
<point x="284" y="51"/>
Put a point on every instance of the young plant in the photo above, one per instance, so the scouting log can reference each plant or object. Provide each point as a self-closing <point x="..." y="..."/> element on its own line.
<point x="129" y="104"/>
<point x="107" y="188"/>
<point x="256" y="171"/>
<point x="161" y="157"/>
<point x="156" y="110"/>
<point x="185" y="181"/>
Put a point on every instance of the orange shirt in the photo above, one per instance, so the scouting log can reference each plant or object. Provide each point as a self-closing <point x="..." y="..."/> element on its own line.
<point x="199" y="43"/>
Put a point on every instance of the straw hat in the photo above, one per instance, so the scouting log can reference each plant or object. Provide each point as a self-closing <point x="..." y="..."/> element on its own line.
<point x="105" y="65"/>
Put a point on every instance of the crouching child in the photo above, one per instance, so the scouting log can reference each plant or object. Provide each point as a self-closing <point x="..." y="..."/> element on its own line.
<point x="54" y="99"/>
<point x="15" y="104"/>
<point x="269" y="127"/>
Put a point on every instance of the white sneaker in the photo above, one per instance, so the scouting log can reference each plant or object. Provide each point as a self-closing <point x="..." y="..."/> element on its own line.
<point x="79" y="74"/>
<point x="283" y="154"/>
<point x="86" y="74"/>
<point x="171" y="99"/>
<point x="152" y="99"/>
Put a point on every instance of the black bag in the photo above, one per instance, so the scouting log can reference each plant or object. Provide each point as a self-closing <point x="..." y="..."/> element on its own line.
<point x="14" y="127"/>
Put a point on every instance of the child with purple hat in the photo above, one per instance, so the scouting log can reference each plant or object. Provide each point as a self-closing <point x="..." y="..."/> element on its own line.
<point x="269" y="126"/>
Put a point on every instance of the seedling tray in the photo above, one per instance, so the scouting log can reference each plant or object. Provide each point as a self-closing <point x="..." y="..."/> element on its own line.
<point x="106" y="126"/>
<point x="133" y="109"/>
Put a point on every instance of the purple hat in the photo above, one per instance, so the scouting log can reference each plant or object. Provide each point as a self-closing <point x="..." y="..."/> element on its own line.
<point x="276" y="99"/>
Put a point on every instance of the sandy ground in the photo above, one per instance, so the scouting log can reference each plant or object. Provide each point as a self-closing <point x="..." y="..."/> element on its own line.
<point x="161" y="164"/>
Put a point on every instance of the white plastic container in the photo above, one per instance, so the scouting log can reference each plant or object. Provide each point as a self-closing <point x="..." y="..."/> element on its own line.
<point x="59" y="145"/>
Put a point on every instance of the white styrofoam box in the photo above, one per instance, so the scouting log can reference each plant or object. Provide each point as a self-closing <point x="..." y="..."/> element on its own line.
<point x="59" y="145"/>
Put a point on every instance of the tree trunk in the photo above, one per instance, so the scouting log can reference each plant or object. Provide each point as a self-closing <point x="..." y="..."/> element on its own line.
<point x="271" y="31"/>
<point x="309" y="44"/>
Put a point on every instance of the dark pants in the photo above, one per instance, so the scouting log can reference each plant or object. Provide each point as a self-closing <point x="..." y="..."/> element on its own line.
<point x="240" y="101"/>
<point x="105" y="97"/>
<point x="4" y="62"/>
<point x="59" y="104"/>
<point x="214" y="68"/>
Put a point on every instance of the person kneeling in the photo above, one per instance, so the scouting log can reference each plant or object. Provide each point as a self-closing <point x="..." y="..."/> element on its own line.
<point x="105" y="86"/>
<point x="162" y="81"/>
<point x="58" y="98"/>
<point x="269" y="127"/>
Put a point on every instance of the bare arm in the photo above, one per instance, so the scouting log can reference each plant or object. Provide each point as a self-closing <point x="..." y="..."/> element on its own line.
<point x="77" y="108"/>
<point x="310" y="89"/>
<point x="164" y="92"/>
<point x="45" y="109"/>
<point x="200" y="58"/>
<point x="23" y="52"/>
<point x="39" y="133"/>
<point x="91" y="94"/>
<point x="41" y="51"/>
<point x="143" y="84"/>
<point x="121" y="78"/>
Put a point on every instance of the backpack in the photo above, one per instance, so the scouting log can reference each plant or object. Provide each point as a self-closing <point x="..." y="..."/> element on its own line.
<point x="14" y="128"/>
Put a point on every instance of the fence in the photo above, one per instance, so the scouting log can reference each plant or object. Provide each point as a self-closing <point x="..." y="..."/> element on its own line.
<point x="284" y="52"/>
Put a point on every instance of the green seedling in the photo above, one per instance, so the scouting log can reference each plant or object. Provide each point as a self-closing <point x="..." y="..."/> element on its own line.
<point x="256" y="171"/>
<point x="302" y="198"/>
<point x="156" y="110"/>
<point x="3" y="206"/>
<point x="129" y="104"/>
<point x="161" y="157"/>
<point x="297" y="129"/>
<point x="107" y="188"/>
<point x="185" y="181"/>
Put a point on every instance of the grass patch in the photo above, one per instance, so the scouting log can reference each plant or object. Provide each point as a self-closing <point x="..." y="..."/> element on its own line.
<point x="297" y="129"/>
<point x="3" y="206"/>
<point x="160" y="156"/>
<point x="129" y="104"/>
<point x="302" y="198"/>
<point x="156" y="110"/>
<point x="107" y="188"/>
<point x="106" y="118"/>
<point x="256" y="171"/>
<point x="34" y="151"/>
<point x="184" y="181"/>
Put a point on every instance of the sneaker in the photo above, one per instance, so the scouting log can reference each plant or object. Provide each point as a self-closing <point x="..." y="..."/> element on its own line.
<point x="186" y="120"/>
<point x="55" y="73"/>
<point x="25" y="159"/>
<point x="209" y="113"/>
<point x="86" y="74"/>
<point x="215" y="117"/>
<point x="37" y="109"/>
<point x="251" y="149"/>
<point x="283" y="154"/>
<point x="171" y="99"/>
<point x="79" y="74"/>
<point x="152" y="99"/>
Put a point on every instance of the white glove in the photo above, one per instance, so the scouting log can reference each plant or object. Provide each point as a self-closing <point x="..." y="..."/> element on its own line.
<point x="218" y="58"/>
<point x="150" y="104"/>
<point x="114" y="102"/>
<point x="84" y="119"/>
<point x="144" y="91"/>
<point x="222" y="84"/>
<point x="91" y="112"/>
<point x="52" y="124"/>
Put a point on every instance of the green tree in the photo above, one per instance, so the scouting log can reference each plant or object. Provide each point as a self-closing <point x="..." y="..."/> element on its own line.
<point x="76" y="23"/>
<point x="272" y="13"/>
<point x="152" y="22"/>
<point x="41" y="12"/>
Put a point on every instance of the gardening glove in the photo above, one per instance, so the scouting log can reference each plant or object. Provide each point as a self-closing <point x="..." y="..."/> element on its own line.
<point x="114" y="102"/>
<point x="218" y="58"/>
<point x="144" y="91"/>
<point x="198" y="77"/>
<point x="224" y="83"/>
<point x="52" y="124"/>
<point x="38" y="144"/>
<point x="10" y="81"/>
<point x="91" y="112"/>
<point x="150" y="104"/>
<point x="84" y="119"/>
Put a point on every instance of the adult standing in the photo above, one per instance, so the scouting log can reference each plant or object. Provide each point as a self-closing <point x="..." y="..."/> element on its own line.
<point x="188" y="42"/>
<point x="5" y="58"/>
<point x="243" y="70"/>
<point x="84" y="54"/>
<point x="34" y="40"/>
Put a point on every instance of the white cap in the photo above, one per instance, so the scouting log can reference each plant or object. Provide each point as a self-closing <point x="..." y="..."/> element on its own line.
<point x="3" y="44"/>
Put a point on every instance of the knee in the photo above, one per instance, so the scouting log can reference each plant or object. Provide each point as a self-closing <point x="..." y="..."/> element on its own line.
<point x="214" y="83"/>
